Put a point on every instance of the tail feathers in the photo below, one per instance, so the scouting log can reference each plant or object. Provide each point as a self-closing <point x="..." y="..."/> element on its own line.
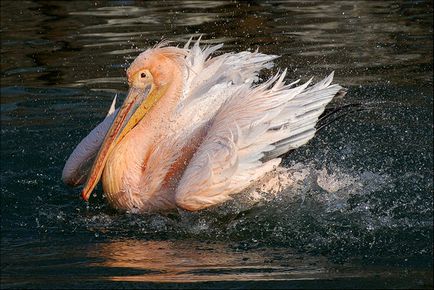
<point x="296" y="122"/>
<point x="298" y="119"/>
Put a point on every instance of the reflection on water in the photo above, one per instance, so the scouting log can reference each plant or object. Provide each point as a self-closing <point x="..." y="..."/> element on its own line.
<point x="129" y="262"/>
<point x="357" y="209"/>
<point x="167" y="261"/>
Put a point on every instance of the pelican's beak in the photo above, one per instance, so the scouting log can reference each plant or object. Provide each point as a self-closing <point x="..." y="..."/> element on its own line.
<point x="138" y="102"/>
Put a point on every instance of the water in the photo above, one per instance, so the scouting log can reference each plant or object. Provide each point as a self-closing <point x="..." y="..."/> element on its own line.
<point x="357" y="213"/>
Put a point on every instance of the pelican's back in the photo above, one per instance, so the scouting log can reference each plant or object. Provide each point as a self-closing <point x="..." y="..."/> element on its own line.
<point x="251" y="128"/>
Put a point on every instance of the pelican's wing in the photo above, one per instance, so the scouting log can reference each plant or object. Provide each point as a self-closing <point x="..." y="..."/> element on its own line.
<point x="80" y="161"/>
<point x="210" y="81"/>
<point x="299" y="116"/>
<point x="204" y="71"/>
<point x="253" y="125"/>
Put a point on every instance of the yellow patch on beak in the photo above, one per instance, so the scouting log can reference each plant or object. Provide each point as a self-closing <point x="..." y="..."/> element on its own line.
<point x="134" y="109"/>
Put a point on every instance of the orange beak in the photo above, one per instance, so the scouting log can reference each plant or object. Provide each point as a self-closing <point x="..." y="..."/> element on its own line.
<point x="135" y="106"/>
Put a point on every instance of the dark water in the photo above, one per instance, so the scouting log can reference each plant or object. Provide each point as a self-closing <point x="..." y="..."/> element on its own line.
<point x="359" y="214"/>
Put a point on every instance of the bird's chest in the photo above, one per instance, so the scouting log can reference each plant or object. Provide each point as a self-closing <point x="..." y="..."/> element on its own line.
<point x="122" y="173"/>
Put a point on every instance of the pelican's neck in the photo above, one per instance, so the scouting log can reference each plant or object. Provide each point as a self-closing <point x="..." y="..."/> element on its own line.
<point x="162" y="112"/>
<point x="124" y="167"/>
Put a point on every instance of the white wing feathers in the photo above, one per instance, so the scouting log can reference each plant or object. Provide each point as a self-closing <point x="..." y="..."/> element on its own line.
<point x="251" y="128"/>
<point x="204" y="73"/>
<point x="298" y="119"/>
<point x="209" y="82"/>
<point x="80" y="161"/>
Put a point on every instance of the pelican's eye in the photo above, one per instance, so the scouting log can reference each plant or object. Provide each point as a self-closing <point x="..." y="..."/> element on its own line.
<point x="142" y="78"/>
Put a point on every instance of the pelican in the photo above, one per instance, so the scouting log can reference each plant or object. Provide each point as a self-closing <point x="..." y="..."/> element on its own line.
<point x="195" y="129"/>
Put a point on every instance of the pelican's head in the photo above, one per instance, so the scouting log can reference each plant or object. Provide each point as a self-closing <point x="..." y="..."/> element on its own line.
<point x="149" y="77"/>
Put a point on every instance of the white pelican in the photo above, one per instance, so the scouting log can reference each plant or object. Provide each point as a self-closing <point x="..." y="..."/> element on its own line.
<point x="195" y="129"/>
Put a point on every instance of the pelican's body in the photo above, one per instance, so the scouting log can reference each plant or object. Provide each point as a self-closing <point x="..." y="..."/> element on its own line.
<point x="195" y="129"/>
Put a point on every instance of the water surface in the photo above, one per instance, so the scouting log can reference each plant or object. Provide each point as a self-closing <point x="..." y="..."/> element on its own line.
<point x="359" y="213"/>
